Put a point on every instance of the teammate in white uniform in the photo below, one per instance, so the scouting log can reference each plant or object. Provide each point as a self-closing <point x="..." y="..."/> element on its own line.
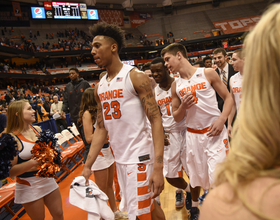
<point x="174" y="132"/>
<point x="236" y="85"/>
<point x="123" y="97"/>
<point x="194" y="97"/>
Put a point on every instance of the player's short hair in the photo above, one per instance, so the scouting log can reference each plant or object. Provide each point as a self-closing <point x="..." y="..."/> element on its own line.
<point x="109" y="30"/>
<point x="220" y="50"/>
<point x="146" y="66"/>
<point x="158" y="60"/>
<point x="200" y="63"/>
<point x="207" y="58"/>
<point x="174" y="49"/>
<point x="239" y="53"/>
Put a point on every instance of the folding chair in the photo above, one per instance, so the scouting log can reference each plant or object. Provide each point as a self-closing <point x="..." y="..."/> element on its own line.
<point x="75" y="143"/>
<point x="66" y="156"/>
<point x="7" y="199"/>
<point x="75" y="131"/>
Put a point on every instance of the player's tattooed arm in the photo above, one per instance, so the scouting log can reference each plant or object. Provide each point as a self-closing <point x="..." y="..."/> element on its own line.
<point x="142" y="85"/>
<point x="159" y="159"/>
<point x="150" y="106"/>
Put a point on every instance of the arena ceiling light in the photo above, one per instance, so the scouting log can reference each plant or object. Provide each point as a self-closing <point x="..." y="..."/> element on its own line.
<point x="166" y="2"/>
<point x="127" y="4"/>
<point x="90" y="2"/>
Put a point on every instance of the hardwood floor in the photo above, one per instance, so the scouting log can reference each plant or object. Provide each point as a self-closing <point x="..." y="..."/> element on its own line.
<point x="167" y="199"/>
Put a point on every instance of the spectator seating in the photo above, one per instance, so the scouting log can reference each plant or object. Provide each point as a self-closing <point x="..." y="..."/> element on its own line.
<point x="7" y="199"/>
<point x="71" y="149"/>
<point x="48" y="124"/>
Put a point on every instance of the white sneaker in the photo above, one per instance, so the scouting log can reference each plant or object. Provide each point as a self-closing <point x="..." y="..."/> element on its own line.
<point x="120" y="215"/>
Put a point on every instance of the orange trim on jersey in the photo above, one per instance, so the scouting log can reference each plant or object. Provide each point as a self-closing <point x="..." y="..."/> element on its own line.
<point x="180" y="173"/>
<point x="22" y="138"/>
<point x="144" y="204"/>
<point x="141" y="176"/>
<point x="146" y="216"/>
<point x="142" y="190"/>
<point x="36" y="132"/>
<point x="201" y="131"/>
<point x="101" y="154"/>
<point x="21" y="181"/>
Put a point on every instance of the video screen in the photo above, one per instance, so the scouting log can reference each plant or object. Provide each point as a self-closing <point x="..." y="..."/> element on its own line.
<point x="38" y="13"/>
<point x="66" y="10"/>
<point x="92" y="14"/>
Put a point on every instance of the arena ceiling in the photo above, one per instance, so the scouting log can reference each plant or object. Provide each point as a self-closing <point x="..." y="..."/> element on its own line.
<point x="93" y="2"/>
<point x="148" y="5"/>
<point x="126" y="3"/>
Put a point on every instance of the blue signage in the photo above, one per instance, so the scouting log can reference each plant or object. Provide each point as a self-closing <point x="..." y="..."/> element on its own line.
<point x="38" y="12"/>
<point x="92" y="14"/>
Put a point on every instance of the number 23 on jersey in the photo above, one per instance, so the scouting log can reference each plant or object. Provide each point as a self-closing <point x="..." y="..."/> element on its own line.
<point x="115" y="106"/>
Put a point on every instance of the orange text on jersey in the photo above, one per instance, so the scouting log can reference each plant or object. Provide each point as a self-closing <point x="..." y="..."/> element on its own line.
<point x="165" y="101"/>
<point x="197" y="86"/>
<point x="112" y="94"/>
<point x="236" y="89"/>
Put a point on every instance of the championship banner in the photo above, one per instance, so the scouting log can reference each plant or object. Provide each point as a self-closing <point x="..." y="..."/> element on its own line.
<point x="237" y="25"/>
<point x="137" y="18"/>
<point x="16" y="8"/>
<point x="111" y="17"/>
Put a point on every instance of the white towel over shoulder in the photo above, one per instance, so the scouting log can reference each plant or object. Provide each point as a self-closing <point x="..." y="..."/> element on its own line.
<point x="91" y="199"/>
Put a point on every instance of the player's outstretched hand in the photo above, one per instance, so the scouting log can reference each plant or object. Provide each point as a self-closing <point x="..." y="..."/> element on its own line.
<point x="216" y="128"/>
<point x="86" y="173"/>
<point x="156" y="183"/>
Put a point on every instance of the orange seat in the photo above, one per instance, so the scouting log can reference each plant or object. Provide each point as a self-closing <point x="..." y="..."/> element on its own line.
<point x="7" y="193"/>
<point x="69" y="152"/>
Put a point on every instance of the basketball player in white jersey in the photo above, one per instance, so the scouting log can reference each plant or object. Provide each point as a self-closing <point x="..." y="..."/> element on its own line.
<point x="123" y="97"/>
<point x="235" y="85"/>
<point x="174" y="133"/>
<point x="194" y="97"/>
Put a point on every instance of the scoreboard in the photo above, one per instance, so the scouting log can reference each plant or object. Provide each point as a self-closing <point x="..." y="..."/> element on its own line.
<point x="64" y="10"/>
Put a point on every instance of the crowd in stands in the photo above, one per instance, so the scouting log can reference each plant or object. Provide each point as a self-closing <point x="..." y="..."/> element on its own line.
<point x="34" y="94"/>
<point x="74" y="39"/>
<point x="27" y="91"/>
<point x="42" y="65"/>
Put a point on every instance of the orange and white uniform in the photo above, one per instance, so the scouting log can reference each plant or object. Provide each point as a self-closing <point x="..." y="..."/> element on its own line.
<point x="236" y="85"/>
<point x="172" y="165"/>
<point x="130" y="139"/>
<point x="28" y="186"/>
<point x="203" y="152"/>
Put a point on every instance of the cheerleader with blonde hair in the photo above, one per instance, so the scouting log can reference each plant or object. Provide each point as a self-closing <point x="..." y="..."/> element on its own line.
<point x="248" y="182"/>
